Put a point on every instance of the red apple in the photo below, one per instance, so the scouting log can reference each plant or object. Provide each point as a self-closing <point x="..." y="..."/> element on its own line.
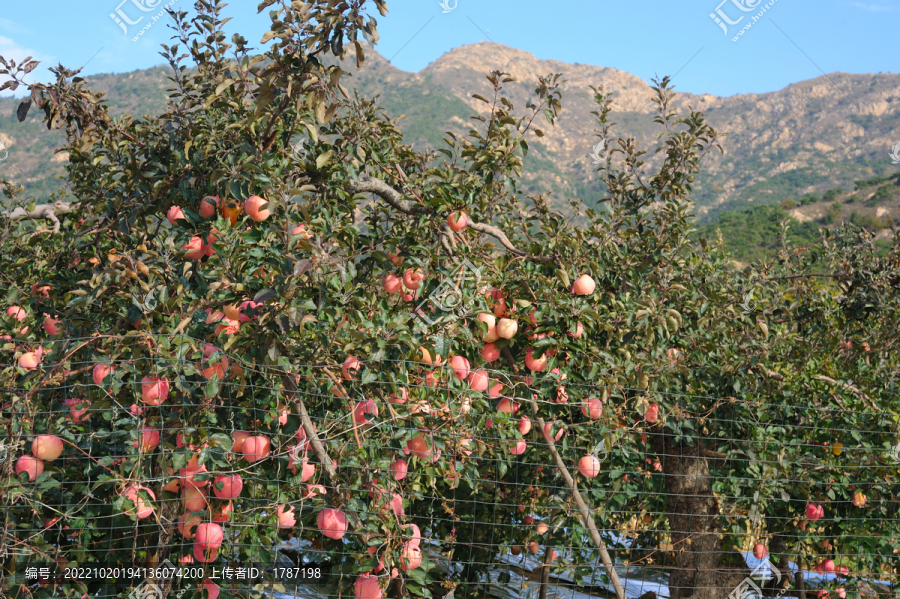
<point x="147" y="439"/>
<point x="350" y="367"/>
<point x="367" y="586"/>
<point x="194" y="499"/>
<point x="584" y="285"/>
<point x="154" y="389"/>
<point x="535" y="364"/>
<point x="256" y="448"/>
<point x="364" y="413"/>
<point x="209" y="536"/>
<point x="17" y="312"/>
<point x="460" y="366"/>
<point x="100" y="372"/>
<point x="518" y="447"/>
<point x="412" y="278"/>
<point x="286" y="517"/>
<point x="507" y="328"/>
<point x="524" y="425"/>
<point x="490" y="352"/>
<point x="141" y="509"/>
<point x="240" y="436"/>
<point x="814" y="512"/>
<point x="51" y="325"/>
<point x="47" y="447"/>
<point x="211" y="589"/>
<point x="478" y="380"/>
<point x="457" y="221"/>
<point x="254" y="207"/>
<point x="195" y="249"/>
<point x="209" y="206"/>
<point x="30" y="464"/>
<point x="410" y="557"/>
<point x="174" y="213"/>
<point x="399" y="469"/>
<point x="29" y="361"/>
<point x="230" y="486"/>
<point x="589" y="466"/>
<point x="592" y="408"/>
<point x="332" y="523"/>
<point x="491" y="321"/>
<point x="391" y="283"/>
<point x="187" y="524"/>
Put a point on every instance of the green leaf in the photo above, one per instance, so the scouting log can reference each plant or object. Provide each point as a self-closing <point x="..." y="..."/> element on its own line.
<point x="323" y="159"/>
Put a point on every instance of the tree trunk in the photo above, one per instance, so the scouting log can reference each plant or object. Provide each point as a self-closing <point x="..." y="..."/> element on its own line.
<point x="702" y="569"/>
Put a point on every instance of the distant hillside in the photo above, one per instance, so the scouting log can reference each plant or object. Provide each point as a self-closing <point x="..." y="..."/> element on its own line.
<point x="811" y="136"/>
<point x="749" y="234"/>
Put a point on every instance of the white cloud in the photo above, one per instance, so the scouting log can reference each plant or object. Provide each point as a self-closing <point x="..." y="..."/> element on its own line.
<point x="10" y="50"/>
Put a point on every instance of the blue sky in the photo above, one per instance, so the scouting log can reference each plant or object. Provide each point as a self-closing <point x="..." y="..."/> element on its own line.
<point x="791" y="42"/>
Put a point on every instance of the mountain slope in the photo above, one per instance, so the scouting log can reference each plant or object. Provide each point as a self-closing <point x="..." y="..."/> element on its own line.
<point x="804" y="139"/>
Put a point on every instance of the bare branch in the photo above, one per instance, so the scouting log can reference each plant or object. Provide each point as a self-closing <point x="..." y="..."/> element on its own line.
<point x="367" y="184"/>
<point x="43" y="212"/>
<point x="504" y="240"/>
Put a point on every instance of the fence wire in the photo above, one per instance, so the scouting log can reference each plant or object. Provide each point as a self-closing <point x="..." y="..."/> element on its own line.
<point x="438" y="489"/>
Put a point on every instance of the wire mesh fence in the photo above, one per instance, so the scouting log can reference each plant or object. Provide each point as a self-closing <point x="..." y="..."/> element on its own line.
<point x="183" y="469"/>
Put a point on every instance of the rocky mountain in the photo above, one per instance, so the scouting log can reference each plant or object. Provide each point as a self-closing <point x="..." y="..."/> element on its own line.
<point x="803" y="140"/>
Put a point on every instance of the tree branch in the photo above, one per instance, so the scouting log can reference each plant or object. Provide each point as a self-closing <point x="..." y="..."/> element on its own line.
<point x="504" y="240"/>
<point x="43" y="212"/>
<point x="582" y="507"/>
<point x="310" y="429"/>
<point x="367" y="184"/>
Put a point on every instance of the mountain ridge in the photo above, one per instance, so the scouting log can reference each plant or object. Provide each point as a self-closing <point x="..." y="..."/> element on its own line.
<point x="804" y="139"/>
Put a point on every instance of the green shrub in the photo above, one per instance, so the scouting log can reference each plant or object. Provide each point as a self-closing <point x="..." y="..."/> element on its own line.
<point x="832" y="193"/>
<point x="788" y="204"/>
<point x="882" y="194"/>
<point x="868" y="221"/>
